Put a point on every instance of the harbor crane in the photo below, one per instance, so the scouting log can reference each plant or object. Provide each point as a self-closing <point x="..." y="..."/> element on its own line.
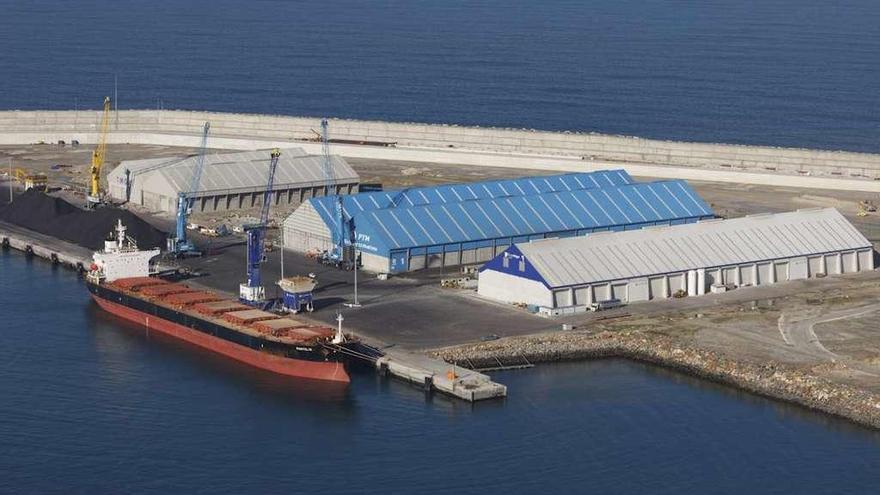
<point x="335" y="256"/>
<point x="179" y="245"/>
<point x="252" y="292"/>
<point x="94" y="197"/>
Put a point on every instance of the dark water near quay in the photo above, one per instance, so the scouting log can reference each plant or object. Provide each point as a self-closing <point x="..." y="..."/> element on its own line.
<point x="92" y="404"/>
<point x="777" y="72"/>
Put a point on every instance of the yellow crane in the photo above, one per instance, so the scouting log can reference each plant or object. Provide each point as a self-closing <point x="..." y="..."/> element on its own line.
<point x="94" y="196"/>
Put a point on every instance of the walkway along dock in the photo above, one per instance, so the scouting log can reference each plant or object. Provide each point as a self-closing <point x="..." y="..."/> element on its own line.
<point x="33" y="243"/>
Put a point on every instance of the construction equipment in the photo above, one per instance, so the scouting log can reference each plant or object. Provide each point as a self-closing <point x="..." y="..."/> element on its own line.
<point x="179" y="245"/>
<point x="336" y="255"/>
<point x="31" y="180"/>
<point x="252" y="292"/>
<point x="93" y="198"/>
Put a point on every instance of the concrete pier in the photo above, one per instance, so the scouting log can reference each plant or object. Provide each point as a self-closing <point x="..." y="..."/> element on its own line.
<point x="43" y="246"/>
<point x="438" y="375"/>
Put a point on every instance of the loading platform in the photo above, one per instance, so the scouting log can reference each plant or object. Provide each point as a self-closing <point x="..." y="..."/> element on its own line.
<point x="434" y="374"/>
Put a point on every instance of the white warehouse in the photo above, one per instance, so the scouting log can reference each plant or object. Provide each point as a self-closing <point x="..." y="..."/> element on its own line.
<point x="656" y="262"/>
<point x="229" y="181"/>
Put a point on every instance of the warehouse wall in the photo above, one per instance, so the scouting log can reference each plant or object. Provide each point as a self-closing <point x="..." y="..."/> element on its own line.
<point x="512" y="289"/>
<point x="465" y="145"/>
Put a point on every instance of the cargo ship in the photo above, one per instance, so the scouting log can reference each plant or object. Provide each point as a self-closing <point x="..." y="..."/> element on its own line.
<point x="121" y="282"/>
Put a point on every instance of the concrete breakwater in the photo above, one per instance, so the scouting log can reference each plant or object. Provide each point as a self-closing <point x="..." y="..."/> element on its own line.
<point x="432" y="143"/>
<point x="772" y="380"/>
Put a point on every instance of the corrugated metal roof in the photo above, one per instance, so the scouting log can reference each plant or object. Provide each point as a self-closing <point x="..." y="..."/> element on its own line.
<point x="611" y="256"/>
<point x="455" y="193"/>
<point x="241" y="171"/>
<point x="513" y="216"/>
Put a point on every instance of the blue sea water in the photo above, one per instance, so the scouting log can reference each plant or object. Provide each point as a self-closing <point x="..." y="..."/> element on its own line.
<point x="776" y="72"/>
<point x="92" y="404"/>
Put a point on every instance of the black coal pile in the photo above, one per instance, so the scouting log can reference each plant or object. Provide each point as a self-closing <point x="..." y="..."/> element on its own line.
<point x="55" y="217"/>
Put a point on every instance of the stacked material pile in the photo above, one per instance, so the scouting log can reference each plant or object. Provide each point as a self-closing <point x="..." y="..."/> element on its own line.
<point x="55" y="217"/>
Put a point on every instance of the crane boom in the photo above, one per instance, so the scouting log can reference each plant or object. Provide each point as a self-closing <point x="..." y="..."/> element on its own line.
<point x="94" y="196"/>
<point x="336" y="255"/>
<point x="252" y="292"/>
<point x="179" y="245"/>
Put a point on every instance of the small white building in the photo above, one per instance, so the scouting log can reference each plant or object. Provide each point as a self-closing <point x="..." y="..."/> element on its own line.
<point x="656" y="262"/>
<point x="229" y="181"/>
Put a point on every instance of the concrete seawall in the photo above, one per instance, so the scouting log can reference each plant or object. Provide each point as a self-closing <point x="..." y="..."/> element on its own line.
<point x="476" y="146"/>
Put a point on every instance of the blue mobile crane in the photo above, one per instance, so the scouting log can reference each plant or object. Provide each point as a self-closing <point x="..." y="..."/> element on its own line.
<point x="179" y="246"/>
<point x="252" y="292"/>
<point x="336" y="255"/>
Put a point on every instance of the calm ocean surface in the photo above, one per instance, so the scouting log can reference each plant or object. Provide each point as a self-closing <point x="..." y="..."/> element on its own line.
<point x="777" y="72"/>
<point x="92" y="404"/>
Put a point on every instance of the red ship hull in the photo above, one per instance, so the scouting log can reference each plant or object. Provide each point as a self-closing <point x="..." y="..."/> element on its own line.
<point x="331" y="371"/>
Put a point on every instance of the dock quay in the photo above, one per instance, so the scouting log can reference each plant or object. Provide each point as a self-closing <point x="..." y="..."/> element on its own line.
<point x="42" y="246"/>
<point x="438" y="375"/>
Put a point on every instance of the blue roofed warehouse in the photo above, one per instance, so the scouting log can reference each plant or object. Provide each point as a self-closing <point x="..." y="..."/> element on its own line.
<point x="471" y="223"/>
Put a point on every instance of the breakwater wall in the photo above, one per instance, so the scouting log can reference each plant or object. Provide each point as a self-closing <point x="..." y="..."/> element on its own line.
<point x="430" y="143"/>
<point x="767" y="379"/>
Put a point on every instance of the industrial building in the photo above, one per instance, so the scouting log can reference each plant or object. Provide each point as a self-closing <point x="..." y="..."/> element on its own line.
<point x="431" y="234"/>
<point x="229" y="181"/>
<point x="310" y="226"/>
<point x="658" y="262"/>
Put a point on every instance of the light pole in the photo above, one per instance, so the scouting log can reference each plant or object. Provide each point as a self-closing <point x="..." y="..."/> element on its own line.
<point x="9" y="178"/>
<point x="356" y="303"/>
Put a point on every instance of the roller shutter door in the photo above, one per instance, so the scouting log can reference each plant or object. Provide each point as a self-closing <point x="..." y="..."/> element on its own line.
<point x="764" y="273"/>
<point x="815" y="266"/>
<point x="676" y="282"/>
<point x="831" y="264"/>
<point x="849" y="262"/>
<point x="866" y="260"/>
<point x="618" y="291"/>
<point x="656" y="288"/>
<point x="417" y="262"/>
<point x="468" y="256"/>
<point x="601" y="292"/>
<point x="581" y="296"/>
<point x="435" y="260"/>
<point x="781" y="271"/>
<point x="485" y="253"/>
<point x="745" y="273"/>
<point x="561" y="298"/>
<point x="729" y="275"/>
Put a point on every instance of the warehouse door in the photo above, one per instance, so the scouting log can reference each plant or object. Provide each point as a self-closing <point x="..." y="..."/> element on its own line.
<point x="764" y="273"/>
<point x="849" y="262"/>
<point x="730" y="275"/>
<point x="618" y="291"/>
<point x="561" y="298"/>
<point x="781" y="271"/>
<point x="815" y="266"/>
<point x="656" y="288"/>
<point x="398" y="261"/>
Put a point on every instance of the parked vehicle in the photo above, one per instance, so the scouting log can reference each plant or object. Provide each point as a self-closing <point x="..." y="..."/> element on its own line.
<point x="606" y="304"/>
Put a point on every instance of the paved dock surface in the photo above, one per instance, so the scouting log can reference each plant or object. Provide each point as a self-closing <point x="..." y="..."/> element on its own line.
<point x="439" y="375"/>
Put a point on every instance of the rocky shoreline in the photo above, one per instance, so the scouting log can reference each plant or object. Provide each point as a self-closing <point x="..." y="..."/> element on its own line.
<point x="771" y="380"/>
